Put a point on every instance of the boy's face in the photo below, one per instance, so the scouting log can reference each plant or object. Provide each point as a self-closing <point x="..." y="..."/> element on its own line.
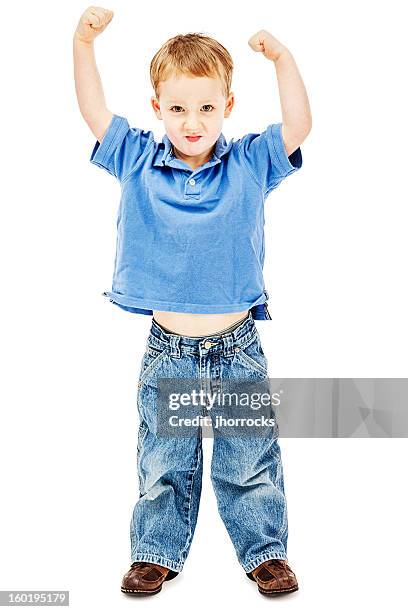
<point x="192" y="106"/>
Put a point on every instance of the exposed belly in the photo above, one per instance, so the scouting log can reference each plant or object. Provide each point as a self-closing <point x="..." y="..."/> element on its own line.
<point x="186" y="324"/>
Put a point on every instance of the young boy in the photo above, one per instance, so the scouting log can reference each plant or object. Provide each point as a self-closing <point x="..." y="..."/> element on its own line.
<point x="190" y="253"/>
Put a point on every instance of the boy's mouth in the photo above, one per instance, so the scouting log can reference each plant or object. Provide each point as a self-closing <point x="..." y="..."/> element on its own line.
<point x="193" y="138"/>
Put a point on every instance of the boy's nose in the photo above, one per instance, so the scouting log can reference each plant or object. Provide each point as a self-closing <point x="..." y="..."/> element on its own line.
<point x="192" y="123"/>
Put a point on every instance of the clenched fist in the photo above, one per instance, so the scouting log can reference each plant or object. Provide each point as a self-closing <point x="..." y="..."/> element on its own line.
<point x="93" y="21"/>
<point x="264" y="42"/>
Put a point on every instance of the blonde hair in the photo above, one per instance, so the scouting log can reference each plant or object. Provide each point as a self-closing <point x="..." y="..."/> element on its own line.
<point x="193" y="54"/>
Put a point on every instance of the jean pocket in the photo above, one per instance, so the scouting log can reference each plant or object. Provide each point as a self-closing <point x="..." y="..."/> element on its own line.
<point x="151" y="360"/>
<point x="254" y="357"/>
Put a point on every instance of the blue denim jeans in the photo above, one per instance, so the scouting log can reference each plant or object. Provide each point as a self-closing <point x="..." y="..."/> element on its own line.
<point x="246" y="472"/>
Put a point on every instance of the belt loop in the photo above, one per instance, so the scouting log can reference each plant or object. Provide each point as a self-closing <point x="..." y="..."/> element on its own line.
<point x="267" y="313"/>
<point x="228" y="342"/>
<point x="174" y="345"/>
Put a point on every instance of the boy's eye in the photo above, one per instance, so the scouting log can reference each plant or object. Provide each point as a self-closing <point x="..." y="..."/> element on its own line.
<point x="177" y="107"/>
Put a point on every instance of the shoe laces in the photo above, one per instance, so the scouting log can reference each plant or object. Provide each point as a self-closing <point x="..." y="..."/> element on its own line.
<point x="140" y="564"/>
<point x="274" y="562"/>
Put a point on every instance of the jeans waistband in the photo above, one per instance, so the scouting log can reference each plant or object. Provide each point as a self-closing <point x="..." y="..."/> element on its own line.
<point x="226" y="341"/>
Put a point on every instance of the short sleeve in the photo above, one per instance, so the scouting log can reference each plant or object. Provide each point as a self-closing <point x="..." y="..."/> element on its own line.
<point x="121" y="148"/>
<point x="266" y="158"/>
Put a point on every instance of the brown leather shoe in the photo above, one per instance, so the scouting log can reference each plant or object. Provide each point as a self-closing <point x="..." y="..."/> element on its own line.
<point x="274" y="577"/>
<point x="145" y="578"/>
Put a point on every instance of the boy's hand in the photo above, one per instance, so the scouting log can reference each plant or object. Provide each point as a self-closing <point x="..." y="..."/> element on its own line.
<point x="268" y="44"/>
<point x="93" y="21"/>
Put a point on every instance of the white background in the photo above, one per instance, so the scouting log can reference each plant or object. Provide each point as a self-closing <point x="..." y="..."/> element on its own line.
<point x="336" y="260"/>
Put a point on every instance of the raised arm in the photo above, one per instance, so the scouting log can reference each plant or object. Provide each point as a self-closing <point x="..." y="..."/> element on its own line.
<point x="88" y="83"/>
<point x="296" y="114"/>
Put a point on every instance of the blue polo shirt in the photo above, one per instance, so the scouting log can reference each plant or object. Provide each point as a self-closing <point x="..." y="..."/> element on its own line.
<point x="191" y="240"/>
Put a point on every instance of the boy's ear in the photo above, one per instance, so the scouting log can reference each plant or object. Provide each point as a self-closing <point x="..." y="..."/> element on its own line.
<point x="229" y="104"/>
<point x="156" y="107"/>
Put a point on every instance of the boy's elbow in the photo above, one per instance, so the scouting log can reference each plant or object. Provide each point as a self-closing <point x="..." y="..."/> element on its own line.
<point x="304" y="131"/>
<point x="99" y="122"/>
<point x="309" y="126"/>
<point x="306" y="127"/>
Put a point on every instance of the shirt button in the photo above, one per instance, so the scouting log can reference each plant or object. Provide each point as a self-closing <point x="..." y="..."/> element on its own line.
<point x="192" y="182"/>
